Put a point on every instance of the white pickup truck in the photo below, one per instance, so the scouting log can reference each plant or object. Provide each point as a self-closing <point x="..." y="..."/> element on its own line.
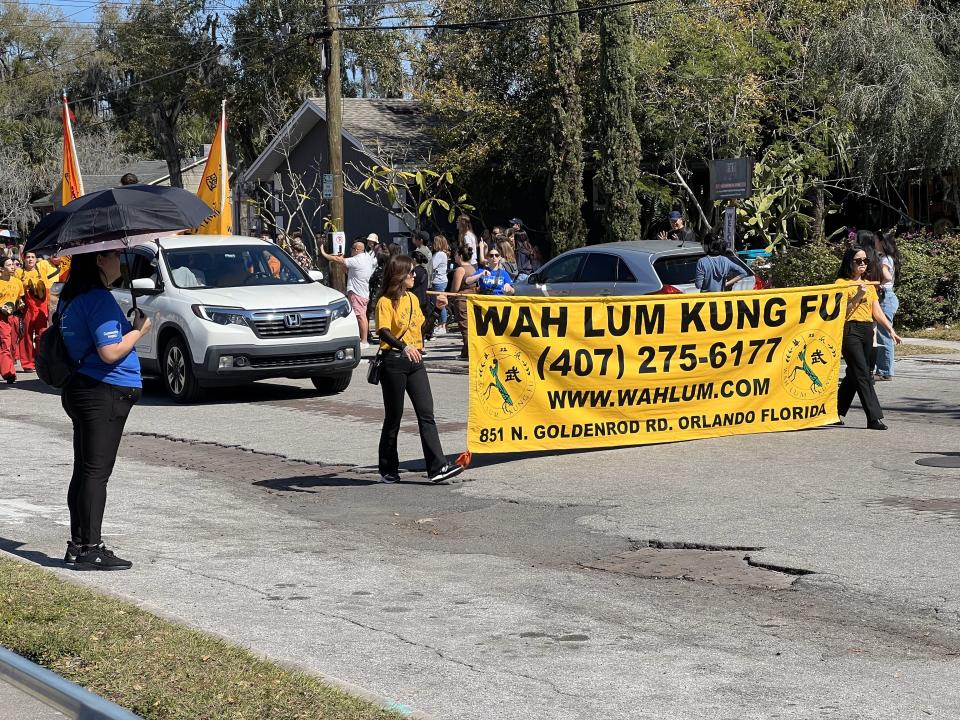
<point x="227" y="310"/>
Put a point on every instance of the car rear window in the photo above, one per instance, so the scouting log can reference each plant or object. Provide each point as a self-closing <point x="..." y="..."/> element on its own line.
<point x="682" y="269"/>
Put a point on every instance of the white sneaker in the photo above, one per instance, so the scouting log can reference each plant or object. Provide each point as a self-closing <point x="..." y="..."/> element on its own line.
<point x="364" y="346"/>
<point x="440" y="330"/>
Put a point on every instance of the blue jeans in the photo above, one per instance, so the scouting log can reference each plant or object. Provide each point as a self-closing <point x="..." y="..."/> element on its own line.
<point x="889" y="305"/>
<point x="440" y="287"/>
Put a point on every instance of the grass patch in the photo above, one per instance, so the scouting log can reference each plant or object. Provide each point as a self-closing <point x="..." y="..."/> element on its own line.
<point x="943" y="332"/>
<point x="153" y="667"/>
<point x="906" y="350"/>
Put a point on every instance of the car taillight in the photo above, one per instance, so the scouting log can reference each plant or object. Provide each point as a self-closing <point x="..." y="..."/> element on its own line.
<point x="758" y="284"/>
<point x="668" y="290"/>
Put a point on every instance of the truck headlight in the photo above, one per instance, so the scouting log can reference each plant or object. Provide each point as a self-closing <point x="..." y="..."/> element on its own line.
<point x="221" y="315"/>
<point x="339" y="309"/>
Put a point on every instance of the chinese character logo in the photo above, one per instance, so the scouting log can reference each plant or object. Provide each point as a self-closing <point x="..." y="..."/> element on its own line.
<point x="503" y="381"/>
<point x="811" y="365"/>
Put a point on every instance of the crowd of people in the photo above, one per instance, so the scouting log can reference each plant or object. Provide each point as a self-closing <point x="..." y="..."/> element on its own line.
<point x="25" y="306"/>
<point x="487" y="264"/>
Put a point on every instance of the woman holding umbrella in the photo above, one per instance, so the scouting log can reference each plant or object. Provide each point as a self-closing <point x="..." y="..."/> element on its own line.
<point x="98" y="397"/>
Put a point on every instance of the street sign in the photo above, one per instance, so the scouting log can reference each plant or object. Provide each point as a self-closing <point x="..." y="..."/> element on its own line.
<point x="327" y="186"/>
<point x="729" y="226"/>
<point x="338" y="243"/>
<point x="731" y="179"/>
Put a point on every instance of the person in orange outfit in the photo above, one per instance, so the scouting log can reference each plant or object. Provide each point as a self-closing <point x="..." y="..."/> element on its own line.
<point x="11" y="298"/>
<point x="36" y="316"/>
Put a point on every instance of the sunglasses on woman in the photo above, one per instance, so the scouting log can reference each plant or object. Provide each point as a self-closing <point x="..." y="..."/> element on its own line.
<point x="861" y="261"/>
<point x="493" y="254"/>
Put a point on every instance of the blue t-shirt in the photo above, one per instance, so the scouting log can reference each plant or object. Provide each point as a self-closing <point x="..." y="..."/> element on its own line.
<point x="713" y="271"/>
<point x="493" y="283"/>
<point x="94" y="320"/>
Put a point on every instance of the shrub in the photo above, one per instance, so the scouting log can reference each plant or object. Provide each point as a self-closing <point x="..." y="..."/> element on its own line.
<point x="797" y="266"/>
<point x="929" y="282"/>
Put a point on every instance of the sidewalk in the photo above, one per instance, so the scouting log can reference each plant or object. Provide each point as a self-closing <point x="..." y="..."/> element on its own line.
<point x="18" y="705"/>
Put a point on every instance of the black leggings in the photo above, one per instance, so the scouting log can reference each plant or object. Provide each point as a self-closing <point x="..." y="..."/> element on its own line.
<point x="98" y="411"/>
<point x="398" y="376"/>
<point x="857" y="353"/>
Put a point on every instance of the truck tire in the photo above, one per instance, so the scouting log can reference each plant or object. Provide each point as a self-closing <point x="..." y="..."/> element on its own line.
<point x="332" y="384"/>
<point x="176" y="372"/>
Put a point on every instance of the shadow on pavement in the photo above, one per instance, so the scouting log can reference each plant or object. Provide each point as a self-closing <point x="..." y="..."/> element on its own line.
<point x="16" y="548"/>
<point x="308" y="483"/>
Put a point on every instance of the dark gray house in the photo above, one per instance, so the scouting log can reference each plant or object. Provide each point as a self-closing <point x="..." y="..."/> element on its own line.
<point x="287" y="177"/>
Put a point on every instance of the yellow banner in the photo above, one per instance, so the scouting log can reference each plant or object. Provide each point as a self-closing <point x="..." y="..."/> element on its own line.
<point x="560" y="373"/>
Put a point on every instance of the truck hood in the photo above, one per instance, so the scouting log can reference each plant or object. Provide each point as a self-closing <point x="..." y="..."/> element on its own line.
<point x="265" y="297"/>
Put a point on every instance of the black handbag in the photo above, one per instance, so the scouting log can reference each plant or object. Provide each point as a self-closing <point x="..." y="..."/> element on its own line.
<point x="375" y="363"/>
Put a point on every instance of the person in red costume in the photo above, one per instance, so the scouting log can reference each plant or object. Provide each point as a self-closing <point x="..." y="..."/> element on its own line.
<point x="36" y="315"/>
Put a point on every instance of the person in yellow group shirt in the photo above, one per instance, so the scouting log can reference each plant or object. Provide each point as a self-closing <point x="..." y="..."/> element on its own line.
<point x="863" y="309"/>
<point x="399" y="325"/>
<point x="36" y="314"/>
<point x="11" y="298"/>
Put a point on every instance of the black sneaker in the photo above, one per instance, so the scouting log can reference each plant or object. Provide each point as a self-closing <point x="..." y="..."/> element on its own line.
<point x="70" y="558"/>
<point x="445" y="473"/>
<point x="390" y="478"/>
<point x="876" y="425"/>
<point x="99" y="558"/>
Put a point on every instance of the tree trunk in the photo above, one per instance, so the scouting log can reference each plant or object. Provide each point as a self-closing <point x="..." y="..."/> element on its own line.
<point x="565" y="198"/>
<point x="819" y="214"/>
<point x="165" y="133"/>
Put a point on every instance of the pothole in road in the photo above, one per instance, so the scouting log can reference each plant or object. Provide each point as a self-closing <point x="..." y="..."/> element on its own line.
<point x="945" y="506"/>
<point x="727" y="565"/>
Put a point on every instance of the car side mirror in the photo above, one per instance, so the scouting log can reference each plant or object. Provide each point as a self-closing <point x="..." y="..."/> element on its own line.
<point x="315" y="275"/>
<point x="144" y="286"/>
<point x="533" y="279"/>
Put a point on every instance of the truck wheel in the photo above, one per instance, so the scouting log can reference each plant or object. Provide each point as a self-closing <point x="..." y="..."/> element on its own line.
<point x="332" y="384"/>
<point x="176" y="372"/>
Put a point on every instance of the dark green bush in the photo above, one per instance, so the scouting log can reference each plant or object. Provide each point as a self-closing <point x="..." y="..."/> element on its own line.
<point x="812" y="264"/>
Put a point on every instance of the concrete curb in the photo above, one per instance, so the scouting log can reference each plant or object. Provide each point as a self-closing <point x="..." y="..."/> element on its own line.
<point x="370" y="696"/>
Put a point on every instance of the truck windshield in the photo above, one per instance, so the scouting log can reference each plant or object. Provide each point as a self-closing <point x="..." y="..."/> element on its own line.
<point x="224" y="266"/>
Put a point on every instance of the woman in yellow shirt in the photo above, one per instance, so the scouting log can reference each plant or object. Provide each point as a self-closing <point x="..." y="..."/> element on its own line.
<point x="399" y="326"/>
<point x="863" y="309"/>
<point x="11" y="299"/>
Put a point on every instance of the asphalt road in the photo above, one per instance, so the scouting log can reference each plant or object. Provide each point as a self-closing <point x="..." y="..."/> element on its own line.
<point x="792" y="575"/>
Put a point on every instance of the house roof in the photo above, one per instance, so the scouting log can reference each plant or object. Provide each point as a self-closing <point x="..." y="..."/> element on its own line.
<point x="148" y="172"/>
<point x="381" y="128"/>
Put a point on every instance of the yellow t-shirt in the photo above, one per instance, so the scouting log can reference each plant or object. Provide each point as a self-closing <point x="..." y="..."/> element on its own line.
<point x="10" y="290"/>
<point x="34" y="282"/>
<point x="404" y="317"/>
<point x="863" y="311"/>
<point x="49" y="272"/>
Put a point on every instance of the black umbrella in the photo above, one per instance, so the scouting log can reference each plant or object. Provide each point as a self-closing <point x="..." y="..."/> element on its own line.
<point x="116" y="219"/>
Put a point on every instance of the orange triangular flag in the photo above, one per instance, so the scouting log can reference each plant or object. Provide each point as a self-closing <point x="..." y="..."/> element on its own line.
<point x="72" y="184"/>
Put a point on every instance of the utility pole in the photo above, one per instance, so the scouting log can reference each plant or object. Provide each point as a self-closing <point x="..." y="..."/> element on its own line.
<point x="334" y="107"/>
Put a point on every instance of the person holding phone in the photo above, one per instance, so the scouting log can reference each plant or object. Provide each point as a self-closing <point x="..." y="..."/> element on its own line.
<point x="863" y="309"/>
<point x="98" y="398"/>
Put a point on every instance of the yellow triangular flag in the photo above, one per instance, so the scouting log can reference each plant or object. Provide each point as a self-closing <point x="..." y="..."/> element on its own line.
<point x="71" y="186"/>
<point x="214" y="187"/>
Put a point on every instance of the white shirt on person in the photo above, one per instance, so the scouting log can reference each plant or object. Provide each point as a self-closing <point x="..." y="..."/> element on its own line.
<point x="439" y="267"/>
<point x="359" y="271"/>
<point x="470" y="240"/>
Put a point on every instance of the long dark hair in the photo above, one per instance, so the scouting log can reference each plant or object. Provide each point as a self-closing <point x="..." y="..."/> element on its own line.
<point x="890" y="249"/>
<point x="85" y="275"/>
<point x="395" y="272"/>
<point x="846" y="265"/>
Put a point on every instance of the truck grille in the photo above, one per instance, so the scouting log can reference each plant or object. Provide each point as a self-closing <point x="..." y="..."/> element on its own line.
<point x="283" y="361"/>
<point x="276" y="327"/>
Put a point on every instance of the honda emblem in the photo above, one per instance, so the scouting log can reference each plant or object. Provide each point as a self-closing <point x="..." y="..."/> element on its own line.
<point x="291" y="320"/>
